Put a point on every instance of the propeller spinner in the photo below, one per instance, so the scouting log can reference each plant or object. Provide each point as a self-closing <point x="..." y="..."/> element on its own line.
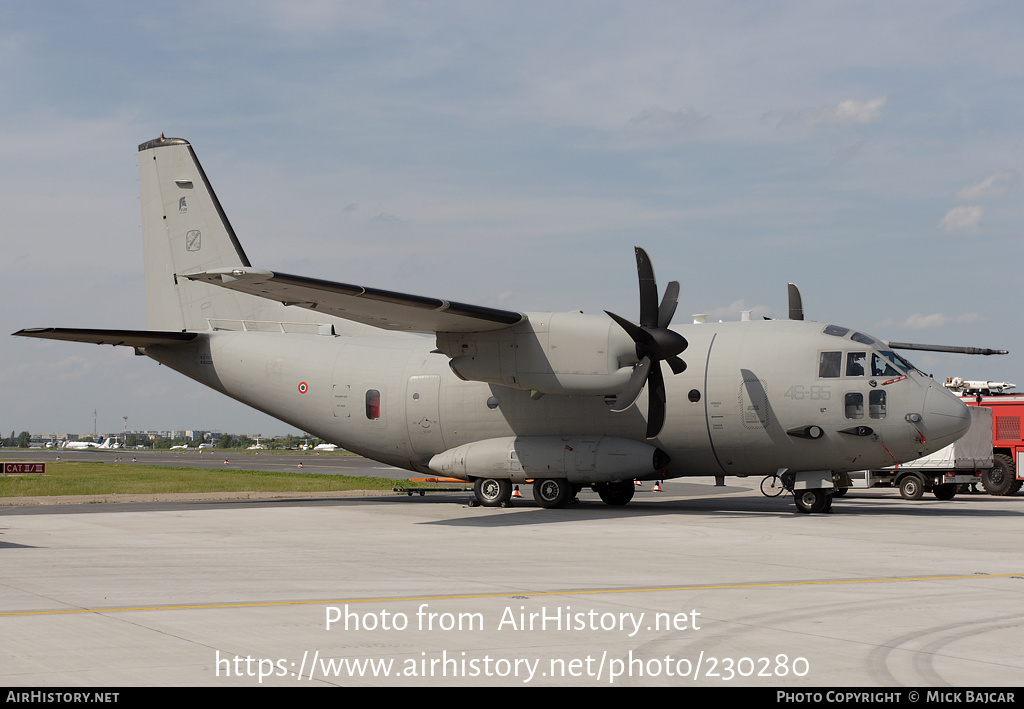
<point x="654" y="343"/>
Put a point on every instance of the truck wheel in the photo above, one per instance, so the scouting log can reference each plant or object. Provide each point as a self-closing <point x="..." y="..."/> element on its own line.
<point x="1000" y="480"/>
<point x="911" y="488"/>
<point x="945" y="491"/>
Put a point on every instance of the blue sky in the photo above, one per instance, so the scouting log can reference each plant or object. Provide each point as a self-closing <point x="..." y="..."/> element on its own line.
<point x="511" y="154"/>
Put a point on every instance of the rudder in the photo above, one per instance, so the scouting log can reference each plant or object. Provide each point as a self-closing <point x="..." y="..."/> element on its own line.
<point x="185" y="230"/>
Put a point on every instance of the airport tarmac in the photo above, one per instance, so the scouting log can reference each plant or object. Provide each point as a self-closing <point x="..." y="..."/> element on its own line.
<point x="696" y="585"/>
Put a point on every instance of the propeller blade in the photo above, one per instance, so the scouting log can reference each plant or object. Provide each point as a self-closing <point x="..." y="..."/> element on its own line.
<point x="796" y="303"/>
<point x="655" y="401"/>
<point x="628" y="396"/>
<point x="668" y="304"/>
<point x="637" y="333"/>
<point x="648" y="289"/>
<point x="678" y="366"/>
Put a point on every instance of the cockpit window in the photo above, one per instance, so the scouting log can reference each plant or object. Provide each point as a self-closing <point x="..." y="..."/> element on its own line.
<point x="901" y="363"/>
<point x="864" y="339"/>
<point x="830" y="364"/>
<point x="856" y="362"/>
<point x="882" y="368"/>
<point x="836" y="331"/>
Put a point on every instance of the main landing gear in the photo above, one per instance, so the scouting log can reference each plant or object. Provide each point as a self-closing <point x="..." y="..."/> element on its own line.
<point x="492" y="492"/>
<point x="551" y="493"/>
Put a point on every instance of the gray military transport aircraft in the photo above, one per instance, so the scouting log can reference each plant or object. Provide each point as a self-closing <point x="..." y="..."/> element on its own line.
<point x="500" y="397"/>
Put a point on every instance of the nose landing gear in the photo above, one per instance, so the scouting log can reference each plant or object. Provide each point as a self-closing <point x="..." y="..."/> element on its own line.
<point x="813" y="501"/>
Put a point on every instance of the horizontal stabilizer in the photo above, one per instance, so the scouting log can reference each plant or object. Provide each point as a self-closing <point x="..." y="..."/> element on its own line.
<point x="384" y="309"/>
<point x="128" y="338"/>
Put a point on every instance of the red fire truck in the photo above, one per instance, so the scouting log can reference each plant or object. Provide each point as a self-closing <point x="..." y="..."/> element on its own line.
<point x="1007" y="473"/>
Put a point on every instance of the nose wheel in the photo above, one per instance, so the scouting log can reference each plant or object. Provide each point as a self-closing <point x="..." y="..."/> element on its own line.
<point x="812" y="501"/>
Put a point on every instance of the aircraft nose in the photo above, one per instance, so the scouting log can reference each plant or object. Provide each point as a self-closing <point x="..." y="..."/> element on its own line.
<point x="945" y="416"/>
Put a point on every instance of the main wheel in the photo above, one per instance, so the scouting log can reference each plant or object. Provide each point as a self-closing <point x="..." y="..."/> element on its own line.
<point x="492" y="492"/>
<point x="911" y="488"/>
<point x="552" y="492"/>
<point x="1001" y="480"/>
<point x="840" y="491"/>
<point x="811" y="501"/>
<point x="617" y="493"/>
<point x="946" y="491"/>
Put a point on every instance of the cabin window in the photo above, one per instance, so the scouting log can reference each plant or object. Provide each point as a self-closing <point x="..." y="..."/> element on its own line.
<point x="830" y="364"/>
<point x="876" y="404"/>
<point x="492" y="402"/>
<point x="854" y="405"/>
<point x="373" y="404"/>
<point x="856" y="363"/>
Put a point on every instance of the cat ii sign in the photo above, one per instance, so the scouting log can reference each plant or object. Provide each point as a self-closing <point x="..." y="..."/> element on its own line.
<point x="23" y="468"/>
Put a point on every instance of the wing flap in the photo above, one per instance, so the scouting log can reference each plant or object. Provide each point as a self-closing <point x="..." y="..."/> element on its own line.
<point x="127" y="338"/>
<point x="388" y="310"/>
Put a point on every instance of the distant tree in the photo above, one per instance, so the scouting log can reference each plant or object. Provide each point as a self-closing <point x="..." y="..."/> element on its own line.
<point x="23" y="439"/>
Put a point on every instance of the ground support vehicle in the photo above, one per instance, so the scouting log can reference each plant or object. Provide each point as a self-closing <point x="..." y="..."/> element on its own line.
<point x="964" y="462"/>
<point x="1006" y="476"/>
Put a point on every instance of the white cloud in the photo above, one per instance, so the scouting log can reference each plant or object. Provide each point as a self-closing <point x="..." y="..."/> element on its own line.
<point x="966" y="218"/>
<point x="917" y="321"/>
<point x="847" y="112"/>
<point x="992" y="186"/>
<point x="920" y="321"/>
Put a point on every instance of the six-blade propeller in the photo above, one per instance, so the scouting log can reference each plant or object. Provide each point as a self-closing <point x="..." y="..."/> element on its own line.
<point x="654" y="343"/>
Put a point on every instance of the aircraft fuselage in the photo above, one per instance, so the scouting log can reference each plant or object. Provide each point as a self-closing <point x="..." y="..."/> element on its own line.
<point x="746" y="404"/>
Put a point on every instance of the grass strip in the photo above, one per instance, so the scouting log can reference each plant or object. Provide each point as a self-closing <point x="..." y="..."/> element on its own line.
<point x="97" y="478"/>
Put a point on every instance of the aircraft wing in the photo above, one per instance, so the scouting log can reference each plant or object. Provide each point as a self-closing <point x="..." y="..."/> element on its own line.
<point x="128" y="338"/>
<point x="384" y="309"/>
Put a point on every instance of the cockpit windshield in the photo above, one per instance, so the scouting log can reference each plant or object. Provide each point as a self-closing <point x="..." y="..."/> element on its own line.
<point x="884" y="362"/>
<point x="901" y="362"/>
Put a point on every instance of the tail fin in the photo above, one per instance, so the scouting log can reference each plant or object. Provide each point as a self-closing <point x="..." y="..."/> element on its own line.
<point x="185" y="230"/>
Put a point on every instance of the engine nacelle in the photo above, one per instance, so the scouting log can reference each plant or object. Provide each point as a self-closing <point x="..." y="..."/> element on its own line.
<point x="553" y="353"/>
<point x="580" y="459"/>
